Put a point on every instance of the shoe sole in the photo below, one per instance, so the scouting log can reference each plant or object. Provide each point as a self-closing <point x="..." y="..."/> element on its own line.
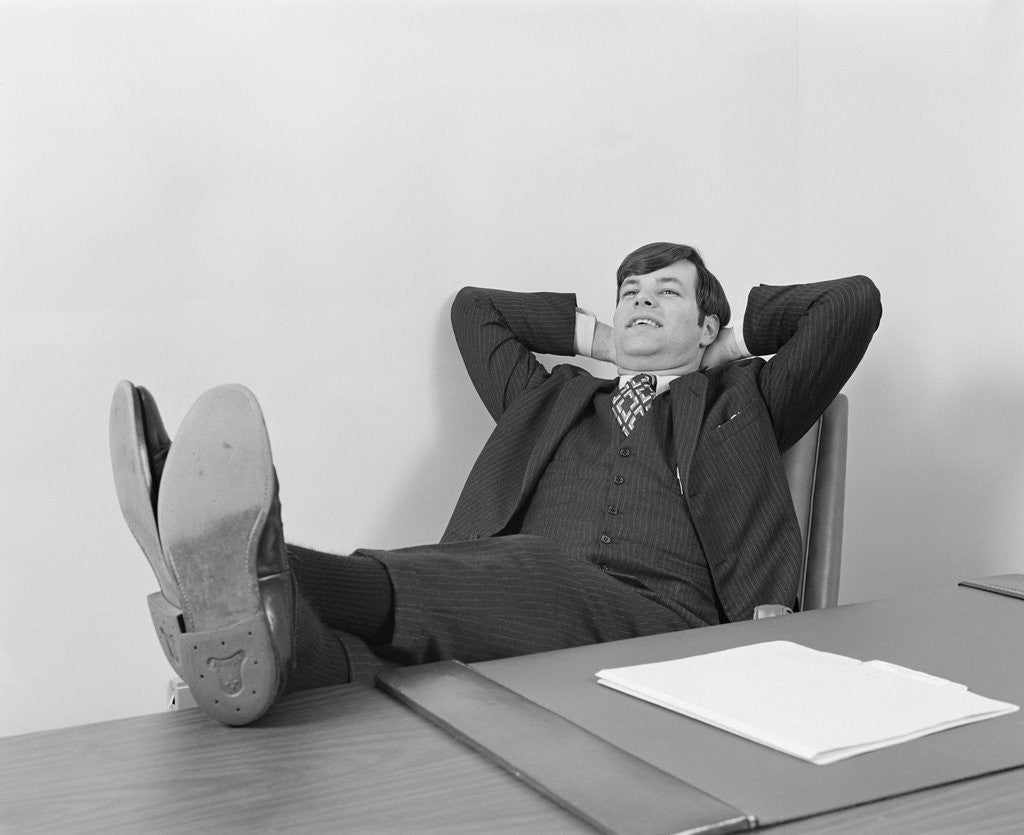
<point x="215" y="497"/>
<point x="133" y="482"/>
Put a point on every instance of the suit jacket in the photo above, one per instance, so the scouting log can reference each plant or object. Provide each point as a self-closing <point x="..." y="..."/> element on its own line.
<point x="730" y="424"/>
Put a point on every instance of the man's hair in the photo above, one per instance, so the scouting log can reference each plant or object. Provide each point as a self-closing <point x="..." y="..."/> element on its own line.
<point x="650" y="257"/>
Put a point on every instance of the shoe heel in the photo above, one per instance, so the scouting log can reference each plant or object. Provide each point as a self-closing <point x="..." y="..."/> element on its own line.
<point x="232" y="672"/>
<point x="168" y="625"/>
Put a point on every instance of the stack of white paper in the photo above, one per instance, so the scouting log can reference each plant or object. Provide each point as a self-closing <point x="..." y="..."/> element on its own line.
<point x="814" y="705"/>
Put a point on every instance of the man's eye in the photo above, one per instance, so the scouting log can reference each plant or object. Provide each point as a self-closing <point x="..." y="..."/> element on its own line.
<point x="628" y="293"/>
<point x="673" y="292"/>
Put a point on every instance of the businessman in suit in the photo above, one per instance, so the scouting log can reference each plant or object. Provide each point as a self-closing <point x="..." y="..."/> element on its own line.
<point x="599" y="509"/>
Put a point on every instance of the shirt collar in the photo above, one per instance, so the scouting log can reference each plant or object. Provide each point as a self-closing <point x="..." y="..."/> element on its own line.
<point x="664" y="381"/>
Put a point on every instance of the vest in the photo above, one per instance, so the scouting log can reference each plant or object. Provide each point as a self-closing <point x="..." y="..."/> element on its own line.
<point x="616" y="503"/>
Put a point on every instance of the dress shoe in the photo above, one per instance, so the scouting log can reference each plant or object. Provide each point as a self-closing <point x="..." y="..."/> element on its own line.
<point x="219" y="519"/>
<point x="138" y="449"/>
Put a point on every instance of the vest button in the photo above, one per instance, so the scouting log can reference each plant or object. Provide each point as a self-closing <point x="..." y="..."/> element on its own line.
<point x="612" y="509"/>
<point x="606" y="539"/>
<point x="625" y="452"/>
<point x="618" y="479"/>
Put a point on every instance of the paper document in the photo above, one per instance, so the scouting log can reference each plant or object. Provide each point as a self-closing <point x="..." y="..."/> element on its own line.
<point x="815" y="705"/>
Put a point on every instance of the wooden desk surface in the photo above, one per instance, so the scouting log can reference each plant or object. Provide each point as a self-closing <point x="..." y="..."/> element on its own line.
<point x="345" y="759"/>
<point x="352" y="759"/>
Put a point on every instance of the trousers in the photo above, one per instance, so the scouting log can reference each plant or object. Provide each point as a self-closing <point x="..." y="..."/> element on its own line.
<point x="478" y="600"/>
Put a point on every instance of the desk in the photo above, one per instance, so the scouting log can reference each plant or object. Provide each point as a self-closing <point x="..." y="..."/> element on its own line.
<point x="345" y="759"/>
<point x="965" y="635"/>
<point x="352" y="759"/>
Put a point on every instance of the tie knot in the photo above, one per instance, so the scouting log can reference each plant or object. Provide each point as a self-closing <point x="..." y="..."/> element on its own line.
<point x="644" y="381"/>
<point x="632" y="400"/>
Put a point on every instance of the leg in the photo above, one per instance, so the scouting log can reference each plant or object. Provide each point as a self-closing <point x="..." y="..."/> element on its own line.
<point x="325" y="656"/>
<point x="475" y="600"/>
<point x="236" y="629"/>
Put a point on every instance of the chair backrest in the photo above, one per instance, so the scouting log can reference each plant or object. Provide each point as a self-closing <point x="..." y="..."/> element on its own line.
<point x="816" y="470"/>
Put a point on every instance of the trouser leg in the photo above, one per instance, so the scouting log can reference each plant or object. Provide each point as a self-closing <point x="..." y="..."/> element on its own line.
<point x="326" y="656"/>
<point x="352" y="593"/>
<point x="506" y="596"/>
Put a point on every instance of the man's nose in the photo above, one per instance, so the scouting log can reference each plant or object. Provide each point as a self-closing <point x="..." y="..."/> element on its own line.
<point x="642" y="299"/>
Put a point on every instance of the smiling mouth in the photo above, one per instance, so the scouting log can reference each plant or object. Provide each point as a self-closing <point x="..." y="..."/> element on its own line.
<point x="646" y="323"/>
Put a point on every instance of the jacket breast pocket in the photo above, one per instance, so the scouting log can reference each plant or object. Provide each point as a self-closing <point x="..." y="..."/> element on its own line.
<point x="737" y="420"/>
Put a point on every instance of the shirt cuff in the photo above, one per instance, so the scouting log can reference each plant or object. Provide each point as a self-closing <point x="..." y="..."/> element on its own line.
<point x="586" y="324"/>
<point x="736" y="323"/>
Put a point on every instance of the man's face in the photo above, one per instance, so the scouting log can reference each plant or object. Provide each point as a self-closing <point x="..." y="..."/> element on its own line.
<point x="656" y="323"/>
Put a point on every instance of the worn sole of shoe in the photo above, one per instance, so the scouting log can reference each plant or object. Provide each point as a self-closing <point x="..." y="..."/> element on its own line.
<point x="133" y="482"/>
<point x="215" y="497"/>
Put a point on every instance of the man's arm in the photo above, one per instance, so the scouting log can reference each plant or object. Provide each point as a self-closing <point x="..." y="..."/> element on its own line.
<point x="818" y="334"/>
<point x="498" y="331"/>
<point x="604" y="343"/>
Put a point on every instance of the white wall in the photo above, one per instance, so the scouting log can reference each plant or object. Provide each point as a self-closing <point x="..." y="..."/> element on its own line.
<point x="278" y="193"/>
<point x="288" y="194"/>
<point x="912" y="171"/>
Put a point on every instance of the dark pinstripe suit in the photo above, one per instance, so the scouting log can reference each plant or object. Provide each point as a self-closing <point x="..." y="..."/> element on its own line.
<point x="485" y="591"/>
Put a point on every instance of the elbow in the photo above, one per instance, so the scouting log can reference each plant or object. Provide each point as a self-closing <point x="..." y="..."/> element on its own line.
<point x="869" y="298"/>
<point x="463" y="302"/>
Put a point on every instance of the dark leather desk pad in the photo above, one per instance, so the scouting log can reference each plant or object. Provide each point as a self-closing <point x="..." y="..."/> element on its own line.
<point x="572" y="767"/>
<point x="964" y="634"/>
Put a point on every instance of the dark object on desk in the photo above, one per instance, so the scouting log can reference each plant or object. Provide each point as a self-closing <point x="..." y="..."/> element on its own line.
<point x="1012" y="585"/>
<point x="816" y="471"/>
<point x="578" y="770"/>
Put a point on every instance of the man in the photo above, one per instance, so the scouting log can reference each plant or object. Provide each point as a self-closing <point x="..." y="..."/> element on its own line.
<point x="597" y="510"/>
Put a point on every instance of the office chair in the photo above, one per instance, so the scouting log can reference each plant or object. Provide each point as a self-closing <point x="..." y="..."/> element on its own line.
<point x="816" y="470"/>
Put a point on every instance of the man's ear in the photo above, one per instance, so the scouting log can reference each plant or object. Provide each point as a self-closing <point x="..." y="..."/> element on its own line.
<point x="710" y="328"/>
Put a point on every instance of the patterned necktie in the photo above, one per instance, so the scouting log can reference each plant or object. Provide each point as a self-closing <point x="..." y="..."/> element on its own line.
<point x="631" y="401"/>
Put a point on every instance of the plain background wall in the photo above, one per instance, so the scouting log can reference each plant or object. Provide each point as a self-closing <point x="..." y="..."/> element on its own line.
<point x="288" y="194"/>
<point x="911" y="170"/>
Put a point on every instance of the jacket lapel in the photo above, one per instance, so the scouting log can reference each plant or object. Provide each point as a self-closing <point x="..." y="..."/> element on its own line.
<point x="516" y="455"/>
<point x="572" y="399"/>
<point x="688" y="394"/>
